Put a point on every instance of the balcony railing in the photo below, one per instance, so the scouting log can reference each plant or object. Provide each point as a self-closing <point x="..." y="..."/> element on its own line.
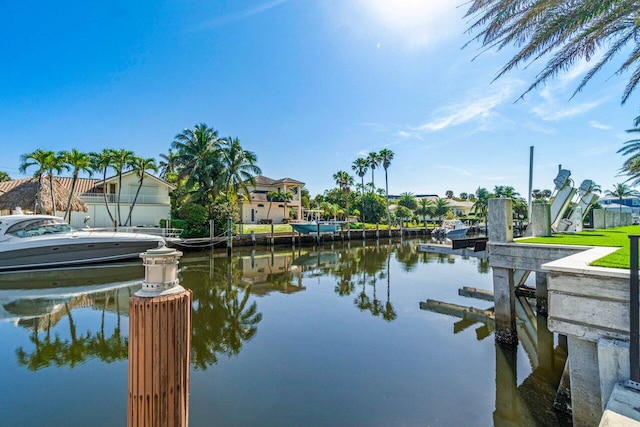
<point x="143" y="199"/>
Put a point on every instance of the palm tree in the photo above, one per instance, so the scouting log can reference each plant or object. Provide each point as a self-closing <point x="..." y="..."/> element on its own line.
<point x="360" y="166"/>
<point x="285" y="197"/>
<point x="344" y="181"/>
<point x="47" y="161"/>
<point x="567" y="31"/>
<point x="631" y="166"/>
<point x="482" y="203"/>
<point x="385" y="156"/>
<point x="239" y="167"/>
<point x="198" y="157"/>
<point x="622" y="190"/>
<point x="441" y="208"/>
<point x="101" y="162"/>
<point x="271" y="197"/>
<point x="4" y="176"/>
<point x="426" y="208"/>
<point x="374" y="160"/>
<point x="168" y="164"/>
<point x="140" y="165"/>
<point x="122" y="160"/>
<point x="79" y="162"/>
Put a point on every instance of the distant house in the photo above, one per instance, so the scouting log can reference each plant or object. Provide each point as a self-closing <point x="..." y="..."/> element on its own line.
<point x="629" y="204"/>
<point x="256" y="209"/>
<point x="152" y="205"/>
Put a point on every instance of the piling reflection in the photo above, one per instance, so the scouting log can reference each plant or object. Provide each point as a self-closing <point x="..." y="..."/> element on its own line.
<point x="531" y="402"/>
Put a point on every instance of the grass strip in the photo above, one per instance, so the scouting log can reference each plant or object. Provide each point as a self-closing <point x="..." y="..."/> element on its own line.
<point x="614" y="237"/>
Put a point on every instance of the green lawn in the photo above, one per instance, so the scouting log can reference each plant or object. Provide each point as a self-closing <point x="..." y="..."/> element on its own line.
<point x="616" y="237"/>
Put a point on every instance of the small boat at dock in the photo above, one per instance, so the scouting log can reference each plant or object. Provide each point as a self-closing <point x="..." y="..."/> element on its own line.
<point x="315" y="227"/>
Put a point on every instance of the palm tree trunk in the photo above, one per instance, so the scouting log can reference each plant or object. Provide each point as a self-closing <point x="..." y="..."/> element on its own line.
<point x="67" y="214"/>
<point x="53" y="200"/>
<point x="135" y="198"/>
<point x="386" y="192"/>
<point x="104" y="193"/>
<point x="119" y="193"/>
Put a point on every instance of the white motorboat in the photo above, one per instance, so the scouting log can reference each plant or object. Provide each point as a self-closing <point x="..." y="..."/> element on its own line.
<point x="451" y="229"/>
<point x="37" y="241"/>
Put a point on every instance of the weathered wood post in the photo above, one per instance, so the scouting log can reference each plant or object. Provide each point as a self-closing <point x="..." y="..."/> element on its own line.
<point x="229" y="236"/>
<point x="272" y="238"/>
<point x="159" y="345"/>
<point x="500" y="223"/>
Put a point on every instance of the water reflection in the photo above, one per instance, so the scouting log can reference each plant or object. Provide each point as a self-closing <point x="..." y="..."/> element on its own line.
<point x="223" y="319"/>
<point x="288" y="301"/>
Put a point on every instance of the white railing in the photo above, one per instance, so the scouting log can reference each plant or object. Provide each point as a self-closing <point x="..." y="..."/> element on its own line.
<point x="156" y="231"/>
<point x="142" y="199"/>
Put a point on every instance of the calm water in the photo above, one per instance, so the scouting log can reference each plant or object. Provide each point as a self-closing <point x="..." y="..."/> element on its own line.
<point x="326" y="337"/>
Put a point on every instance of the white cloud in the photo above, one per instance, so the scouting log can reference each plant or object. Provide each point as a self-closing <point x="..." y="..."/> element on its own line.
<point x="462" y="112"/>
<point x="598" y="125"/>
<point x="240" y="15"/>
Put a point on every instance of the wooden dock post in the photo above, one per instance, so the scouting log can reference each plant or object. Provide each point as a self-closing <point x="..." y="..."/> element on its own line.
<point x="159" y="345"/>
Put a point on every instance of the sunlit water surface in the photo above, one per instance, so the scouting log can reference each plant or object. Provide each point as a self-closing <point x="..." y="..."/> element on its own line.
<point x="305" y="336"/>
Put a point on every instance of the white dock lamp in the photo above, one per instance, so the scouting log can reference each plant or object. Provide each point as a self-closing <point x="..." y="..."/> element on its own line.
<point x="160" y="272"/>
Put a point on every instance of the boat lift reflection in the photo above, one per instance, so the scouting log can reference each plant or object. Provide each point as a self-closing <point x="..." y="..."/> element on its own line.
<point x="515" y="403"/>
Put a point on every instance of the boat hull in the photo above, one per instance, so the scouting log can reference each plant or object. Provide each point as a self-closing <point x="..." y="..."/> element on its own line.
<point x="74" y="252"/>
<point x="313" y="228"/>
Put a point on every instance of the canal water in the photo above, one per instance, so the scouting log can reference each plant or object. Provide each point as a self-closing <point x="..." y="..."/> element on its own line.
<point x="361" y="334"/>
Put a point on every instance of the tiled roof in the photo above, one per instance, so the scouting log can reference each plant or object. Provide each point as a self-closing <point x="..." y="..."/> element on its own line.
<point x="263" y="180"/>
<point x="83" y="185"/>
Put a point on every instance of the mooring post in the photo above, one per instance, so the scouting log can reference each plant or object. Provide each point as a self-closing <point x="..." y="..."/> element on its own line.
<point x="272" y="239"/>
<point x="229" y="235"/>
<point x="318" y="236"/>
<point x="253" y="238"/>
<point x="500" y="223"/>
<point x="212" y="232"/>
<point x="159" y="345"/>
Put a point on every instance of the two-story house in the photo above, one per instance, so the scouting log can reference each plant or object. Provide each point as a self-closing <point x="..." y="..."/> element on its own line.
<point x="259" y="209"/>
<point x="151" y="205"/>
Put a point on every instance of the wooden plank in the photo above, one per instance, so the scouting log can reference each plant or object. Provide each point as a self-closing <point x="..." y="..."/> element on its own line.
<point x="476" y="293"/>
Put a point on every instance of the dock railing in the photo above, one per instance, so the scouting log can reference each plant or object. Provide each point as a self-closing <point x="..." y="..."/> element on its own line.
<point x="634" y="311"/>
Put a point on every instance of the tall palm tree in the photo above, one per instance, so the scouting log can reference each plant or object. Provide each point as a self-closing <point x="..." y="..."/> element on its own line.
<point x="140" y="165"/>
<point x="481" y="204"/>
<point x="122" y="161"/>
<point x="285" y="197"/>
<point x="78" y="162"/>
<point x="102" y="162"/>
<point x="374" y="160"/>
<point x="385" y="155"/>
<point x="344" y="181"/>
<point x="360" y="166"/>
<point x="47" y="161"/>
<point x="239" y="167"/>
<point x="441" y="208"/>
<point x="622" y="190"/>
<point x="168" y="164"/>
<point x="198" y="157"/>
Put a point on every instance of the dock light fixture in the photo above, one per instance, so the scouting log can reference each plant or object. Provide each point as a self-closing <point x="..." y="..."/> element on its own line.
<point x="160" y="272"/>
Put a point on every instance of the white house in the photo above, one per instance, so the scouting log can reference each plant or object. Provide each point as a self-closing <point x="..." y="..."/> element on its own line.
<point x="258" y="209"/>
<point x="151" y="206"/>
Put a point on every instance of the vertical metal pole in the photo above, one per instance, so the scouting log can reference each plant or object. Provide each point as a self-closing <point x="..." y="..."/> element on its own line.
<point x="634" y="325"/>
<point x="212" y="232"/>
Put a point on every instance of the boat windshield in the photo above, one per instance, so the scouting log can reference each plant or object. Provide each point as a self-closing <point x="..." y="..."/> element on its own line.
<point x="39" y="226"/>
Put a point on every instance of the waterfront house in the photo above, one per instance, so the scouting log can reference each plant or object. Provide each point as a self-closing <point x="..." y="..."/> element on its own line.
<point x="629" y="204"/>
<point x="256" y="209"/>
<point x="151" y="206"/>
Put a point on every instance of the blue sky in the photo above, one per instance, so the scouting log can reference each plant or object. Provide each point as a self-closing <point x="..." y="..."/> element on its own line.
<point x="309" y="86"/>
